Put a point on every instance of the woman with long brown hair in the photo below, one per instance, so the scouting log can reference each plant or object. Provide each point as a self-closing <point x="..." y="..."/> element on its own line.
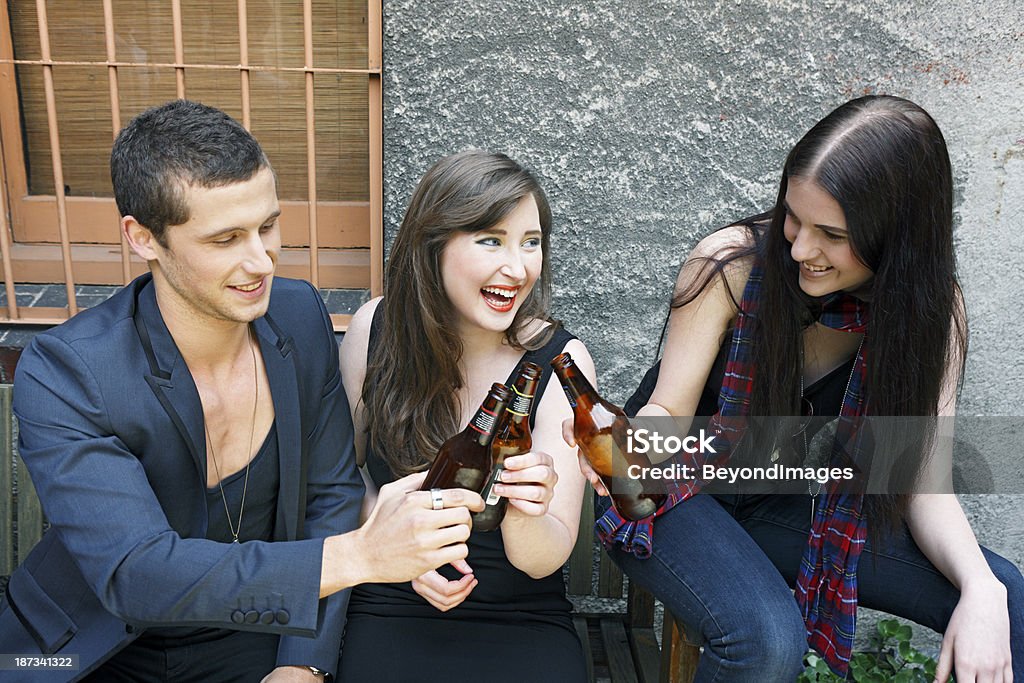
<point x="466" y="300"/>
<point x="842" y="301"/>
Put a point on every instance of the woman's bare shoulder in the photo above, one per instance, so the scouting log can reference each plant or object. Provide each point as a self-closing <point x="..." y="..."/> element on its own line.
<point x="725" y="246"/>
<point x="721" y="243"/>
<point x="355" y="343"/>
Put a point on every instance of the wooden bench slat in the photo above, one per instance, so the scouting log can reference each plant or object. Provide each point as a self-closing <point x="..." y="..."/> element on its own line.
<point x="7" y="559"/>
<point x="641" y="607"/>
<point x="679" y="656"/>
<point x="616" y="646"/>
<point x="646" y="654"/>
<point x="581" y="561"/>
<point x="609" y="577"/>
<point x="580" y="623"/>
<point x="30" y="514"/>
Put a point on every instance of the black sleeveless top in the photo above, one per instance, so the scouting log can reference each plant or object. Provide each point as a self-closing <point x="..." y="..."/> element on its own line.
<point x="260" y="499"/>
<point x="504" y="592"/>
<point x="825" y="394"/>
<point x="823" y="400"/>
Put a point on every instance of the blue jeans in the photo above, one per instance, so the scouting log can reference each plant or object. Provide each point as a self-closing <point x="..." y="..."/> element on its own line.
<point x="725" y="567"/>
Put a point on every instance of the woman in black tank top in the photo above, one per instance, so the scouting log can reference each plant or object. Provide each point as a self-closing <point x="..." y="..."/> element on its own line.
<point x="466" y="298"/>
<point x="839" y="302"/>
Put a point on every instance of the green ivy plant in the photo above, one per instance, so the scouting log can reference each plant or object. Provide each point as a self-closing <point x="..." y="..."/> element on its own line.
<point x="889" y="657"/>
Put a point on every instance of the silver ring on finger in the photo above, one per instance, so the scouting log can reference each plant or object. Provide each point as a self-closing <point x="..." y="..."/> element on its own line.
<point x="436" y="499"/>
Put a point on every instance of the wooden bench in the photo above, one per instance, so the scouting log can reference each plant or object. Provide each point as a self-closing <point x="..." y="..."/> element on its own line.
<point x="620" y="645"/>
<point x="21" y="518"/>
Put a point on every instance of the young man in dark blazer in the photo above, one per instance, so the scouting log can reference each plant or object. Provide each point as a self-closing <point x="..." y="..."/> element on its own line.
<point x="191" y="444"/>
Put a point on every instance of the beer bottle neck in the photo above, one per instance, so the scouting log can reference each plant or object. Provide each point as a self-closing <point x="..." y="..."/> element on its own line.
<point x="481" y="427"/>
<point x="576" y="385"/>
<point x="522" y="401"/>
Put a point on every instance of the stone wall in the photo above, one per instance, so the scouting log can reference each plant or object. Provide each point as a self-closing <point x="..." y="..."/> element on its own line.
<point x="651" y="123"/>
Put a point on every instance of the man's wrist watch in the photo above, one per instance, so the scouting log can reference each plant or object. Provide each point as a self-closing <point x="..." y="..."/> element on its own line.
<point x="318" y="672"/>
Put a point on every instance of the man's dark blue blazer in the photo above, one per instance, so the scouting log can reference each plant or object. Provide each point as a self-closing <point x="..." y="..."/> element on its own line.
<point x="111" y="430"/>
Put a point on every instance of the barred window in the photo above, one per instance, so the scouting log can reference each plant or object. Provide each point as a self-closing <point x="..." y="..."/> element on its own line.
<point x="304" y="77"/>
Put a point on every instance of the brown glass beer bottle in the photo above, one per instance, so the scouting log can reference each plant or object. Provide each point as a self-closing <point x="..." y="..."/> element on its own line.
<point x="600" y="431"/>
<point x="464" y="460"/>
<point x="512" y="438"/>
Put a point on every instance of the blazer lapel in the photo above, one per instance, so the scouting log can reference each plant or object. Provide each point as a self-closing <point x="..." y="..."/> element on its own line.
<point x="279" y="361"/>
<point x="176" y="391"/>
<point x="170" y="379"/>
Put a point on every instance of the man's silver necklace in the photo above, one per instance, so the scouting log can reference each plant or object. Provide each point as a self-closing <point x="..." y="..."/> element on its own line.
<point x="235" y="530"/>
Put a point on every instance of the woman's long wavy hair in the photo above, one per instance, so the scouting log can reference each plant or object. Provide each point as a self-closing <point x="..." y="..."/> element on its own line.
<point x="413" y="372"/>
<point x="884" y="161"/>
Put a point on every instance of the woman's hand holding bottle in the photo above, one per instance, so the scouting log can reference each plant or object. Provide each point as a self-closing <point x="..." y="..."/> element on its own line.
<point x="528" y="482"/>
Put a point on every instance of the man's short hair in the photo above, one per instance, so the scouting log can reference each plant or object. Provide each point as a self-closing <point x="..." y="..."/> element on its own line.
<point x="166" y="148"/>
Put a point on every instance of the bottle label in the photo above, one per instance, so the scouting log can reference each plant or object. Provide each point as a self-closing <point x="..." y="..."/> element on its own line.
<point x="484" y="421"/>
<point x="568" y="394"/>
<point x="489" y="496"/>
<point x="467" y="478"/>
<point x="521" y="404"/>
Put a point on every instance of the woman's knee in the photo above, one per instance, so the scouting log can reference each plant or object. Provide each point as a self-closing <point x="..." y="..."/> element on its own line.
<point x="769" y="639"/>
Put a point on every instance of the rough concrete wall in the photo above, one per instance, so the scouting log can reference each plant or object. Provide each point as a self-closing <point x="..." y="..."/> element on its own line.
<point x="651" y="123"/>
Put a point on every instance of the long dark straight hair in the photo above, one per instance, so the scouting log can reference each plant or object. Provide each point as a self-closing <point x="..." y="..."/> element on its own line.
<point x="884" y="161"/>
<point x="412" y="373"/>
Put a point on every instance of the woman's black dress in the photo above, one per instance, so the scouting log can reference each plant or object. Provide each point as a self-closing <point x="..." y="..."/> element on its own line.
<point x="511" y="627"/>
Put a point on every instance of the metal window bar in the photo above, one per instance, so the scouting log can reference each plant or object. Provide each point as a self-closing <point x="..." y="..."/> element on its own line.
<point x="113" y="65"/>
<point x="5" y="250"/>
<point x="179" y="48"/>
<point x="375" y="104"/>
<point x="58" y="167"/>
<point x="185" y="65"/>
<point x="6" y="86"/>
<point x="115" y="118"/>
<point x="182" y="66"/>
<point x="243" y="59"/>
<point x="307" y="40"/>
